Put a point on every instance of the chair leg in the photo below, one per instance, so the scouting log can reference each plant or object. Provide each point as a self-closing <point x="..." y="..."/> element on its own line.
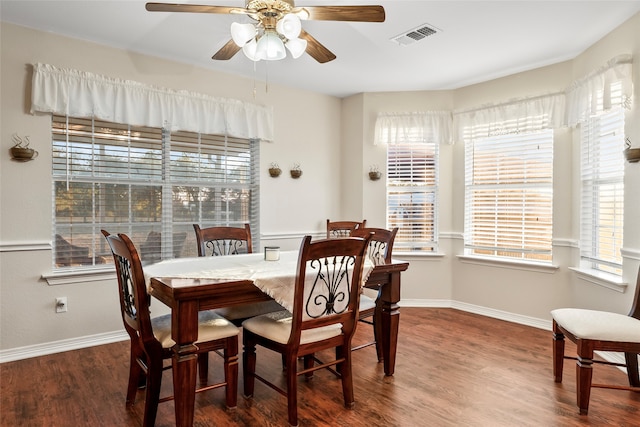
<point x="154" y="382"/>
<point x="558" y="354"/>
<point x="231" y="371"/>
<point x="632" y="369"/>
<point x="309" y="361"/>
<point x="292" y="389"/>
<point x="248" y="363"/>
<point x="584" y="374"/>
<point x="203" y="367"/>
<point x="377" y="330"/>
<point x="135" y="377"/>
<point x="347" y="379"/>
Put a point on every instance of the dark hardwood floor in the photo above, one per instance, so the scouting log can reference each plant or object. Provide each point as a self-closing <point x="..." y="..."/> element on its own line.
<point x="453" y="369"/>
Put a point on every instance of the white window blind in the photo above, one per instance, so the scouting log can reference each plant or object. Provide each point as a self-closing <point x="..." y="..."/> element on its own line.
<point x="508" y="191"/>
<point x="602" y="197"/>
<point x="148" y="183"/>
<point x="412" y="191"/>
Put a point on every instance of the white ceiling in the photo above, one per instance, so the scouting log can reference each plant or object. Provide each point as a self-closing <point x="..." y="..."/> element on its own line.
<point x="478" y="40"/>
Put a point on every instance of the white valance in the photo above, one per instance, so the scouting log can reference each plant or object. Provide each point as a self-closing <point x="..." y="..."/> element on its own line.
<point x="83" y="94"/>
<point x="593" y="93"/>
<point x="521" y="115"/>
<point x="418" y="126"/>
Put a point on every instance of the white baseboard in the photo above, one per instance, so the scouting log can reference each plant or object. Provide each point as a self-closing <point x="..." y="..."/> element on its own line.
<point x="43" y="349"/>
<point x="484" y="311"/>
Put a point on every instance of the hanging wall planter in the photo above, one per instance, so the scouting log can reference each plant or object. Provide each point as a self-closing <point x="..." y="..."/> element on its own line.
<point x="296" y="172"/>
<point x="631" y="154"/>
<point x="21" y="151"/>
<point x="274" y="170"/>
<point x="374" y="173"/>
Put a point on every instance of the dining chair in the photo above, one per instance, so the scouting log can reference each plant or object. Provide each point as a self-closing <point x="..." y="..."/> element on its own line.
<point x="220" y="241"/>
<point x="379" y="252"/>
<point x="150" y="338"/>
<point x="327" y="289"/>
<point x="217" y="241"/>
<point x="591" y="331"/>
<point x="338" y="229"/>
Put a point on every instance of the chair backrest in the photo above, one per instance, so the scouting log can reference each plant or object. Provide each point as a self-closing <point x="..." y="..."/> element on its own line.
<point x="134" y="299"/>
<point x="635" y="306"/>
<point x="327" y="285"/>
<point x="340" y="229"/>
<point x="223" y="240"/>
<point x="381" y="243"/>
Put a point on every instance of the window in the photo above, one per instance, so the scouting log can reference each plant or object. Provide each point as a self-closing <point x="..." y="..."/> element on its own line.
<point x="508" y="192"/>
<point x="149" y="183"/>
<point x="412" y="192"/>
<point x="602" y="196"/>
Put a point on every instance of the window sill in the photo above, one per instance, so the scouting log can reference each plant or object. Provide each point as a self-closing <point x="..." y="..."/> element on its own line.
<point x="607" y="280"/>
<point x="506" y="263"/>
<point x="79" y="276"/>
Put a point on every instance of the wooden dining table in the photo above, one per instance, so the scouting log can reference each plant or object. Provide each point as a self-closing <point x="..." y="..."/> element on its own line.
<point x="186" y="294"/>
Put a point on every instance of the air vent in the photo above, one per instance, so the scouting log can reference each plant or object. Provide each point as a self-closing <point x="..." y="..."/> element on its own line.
<point x="421" y="32"/>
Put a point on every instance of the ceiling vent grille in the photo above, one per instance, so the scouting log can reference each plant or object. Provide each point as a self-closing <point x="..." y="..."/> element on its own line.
<point x="414" y="35"/>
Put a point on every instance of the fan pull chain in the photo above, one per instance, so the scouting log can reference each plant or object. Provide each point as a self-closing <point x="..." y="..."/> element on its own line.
<point x="254" y="80"/>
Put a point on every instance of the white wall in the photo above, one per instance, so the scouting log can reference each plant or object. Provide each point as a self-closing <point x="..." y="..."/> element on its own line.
<point x="332" y="139"/>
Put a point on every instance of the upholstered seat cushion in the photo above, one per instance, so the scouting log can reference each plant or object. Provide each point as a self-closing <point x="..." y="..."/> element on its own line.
<point x="366" y="302"/>
<point x="598" y="325"/>
<point x="277" y="327"/>
<point x="211" y="326"/>
<point x="246" y="311"/>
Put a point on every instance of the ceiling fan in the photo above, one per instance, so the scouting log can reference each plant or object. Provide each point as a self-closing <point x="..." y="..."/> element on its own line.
<point x="277" y="26"/>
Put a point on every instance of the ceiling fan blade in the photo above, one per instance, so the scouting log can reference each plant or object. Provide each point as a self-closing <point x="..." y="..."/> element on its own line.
<point x="316" y="49"/>
<point x="344" y="13"/>
<point x="192" y="8"/>
<point x="227" y="51"/>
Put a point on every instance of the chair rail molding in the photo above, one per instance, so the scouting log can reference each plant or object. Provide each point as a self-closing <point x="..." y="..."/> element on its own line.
<point x="25" y="246"/>
<point x="630" y="253"/>
<point x="453" y="235"/>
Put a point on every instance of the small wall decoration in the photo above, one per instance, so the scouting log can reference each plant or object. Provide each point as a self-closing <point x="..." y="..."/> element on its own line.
<point x="631" y="154"/>
<point x="374" y="173"/>
<point x="295" y="171"/>
<point x="274" y="170"/>
<point x="20" y="150"/>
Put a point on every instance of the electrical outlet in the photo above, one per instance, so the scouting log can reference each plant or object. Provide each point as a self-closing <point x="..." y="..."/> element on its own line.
<point x="61" y="305"/>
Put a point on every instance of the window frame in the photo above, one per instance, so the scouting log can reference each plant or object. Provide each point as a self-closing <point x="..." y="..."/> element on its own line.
<point x="602" y="165"/>
<point x="535" y="246"/>
<point x="166" y="182"/>
<point x="419" y="177"/>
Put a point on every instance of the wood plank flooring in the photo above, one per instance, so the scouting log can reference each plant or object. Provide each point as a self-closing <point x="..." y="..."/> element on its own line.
<point x="453" y="369"/>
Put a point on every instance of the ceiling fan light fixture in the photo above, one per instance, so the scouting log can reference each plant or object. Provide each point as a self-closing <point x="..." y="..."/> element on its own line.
<point x="270" y="47"/>
<point x="242" y="33"/>
<point x="289" y="26"/>
<point x="249" y="50"/>
<point x="296" y="47"/>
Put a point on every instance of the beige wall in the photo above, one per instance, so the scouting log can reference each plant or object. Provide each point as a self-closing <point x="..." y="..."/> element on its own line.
<point x="332" y="139"/>
<point x="307" y="132"/>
